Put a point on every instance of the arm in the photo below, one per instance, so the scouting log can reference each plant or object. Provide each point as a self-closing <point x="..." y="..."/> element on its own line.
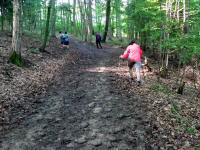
<point x="125" y="54"/>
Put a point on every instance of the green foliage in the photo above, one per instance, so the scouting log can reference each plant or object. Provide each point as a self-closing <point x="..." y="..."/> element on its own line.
<point x="16" y="59"/>
<point x="158" y="87"/>
<point x="197" y="147"/>
<point x="187" y="46"/>
<point x="35" y="50"/>
<point x="191" y="130"/>
<point x="184" y="122"/>
<point x="115" y="42"/>
<point x="175" y="108"/>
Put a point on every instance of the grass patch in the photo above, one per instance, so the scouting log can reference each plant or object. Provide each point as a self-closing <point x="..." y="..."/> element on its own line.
<point x="191" y="130"/>
<point x="123" y="43"/>
<point x="158" y="87"/>
<point x="184" y="122"/>
<point x="34" y="50"/>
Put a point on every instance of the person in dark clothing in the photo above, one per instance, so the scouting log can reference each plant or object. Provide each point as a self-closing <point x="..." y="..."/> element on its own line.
<point x="66" y="40"/>
<point x="61" y="38"/>
<point x="98" y="40"/>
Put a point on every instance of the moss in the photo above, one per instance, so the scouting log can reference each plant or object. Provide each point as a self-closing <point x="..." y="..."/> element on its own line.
<point x="16" y="59"/>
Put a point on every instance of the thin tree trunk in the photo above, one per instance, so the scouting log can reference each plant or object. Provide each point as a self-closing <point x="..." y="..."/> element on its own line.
<point x="108" y="8"/>
<point x="110" y="32"/>
<point x="82" y="18"/>
<point x="86" y="23"/>
<point x="2" y="16"/>
<point x="74" y="16"/>
<point x="185" y="18"/>
<point x="53" y="19"/>
<point x="15" y="56"/>
<point x="90" y="31"/>
<point x="184" y="11"/>
<point x="118" y="19"/>
<point x="178" y="7"/>
<point x="42" y="49"/>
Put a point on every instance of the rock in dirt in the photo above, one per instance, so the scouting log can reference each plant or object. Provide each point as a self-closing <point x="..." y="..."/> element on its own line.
<point x="84" y="125"/>
<point x="97" y="110"/>
<point x="96" y="142"/>
<point x="91" y="105"/>
<point x="81" y="140"/>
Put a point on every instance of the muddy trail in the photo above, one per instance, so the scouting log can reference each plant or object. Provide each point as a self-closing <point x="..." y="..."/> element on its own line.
<point x="82" y="110"/>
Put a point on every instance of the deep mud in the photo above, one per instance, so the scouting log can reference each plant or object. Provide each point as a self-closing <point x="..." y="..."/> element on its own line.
<point x="82" y="111"/>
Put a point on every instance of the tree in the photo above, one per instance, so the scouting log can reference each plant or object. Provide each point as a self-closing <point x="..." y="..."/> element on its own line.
<point x="53" y="19"/>
<point x="108" y="8"/>
<point x="118" y="12"/>
<point x="15" y="56"/>
<point x="2" y="14"/>
<point x="83" y="18"/>
<point x="89" y="15"/>
<point x="42" y="48"/>
<point x="74" y="15"/>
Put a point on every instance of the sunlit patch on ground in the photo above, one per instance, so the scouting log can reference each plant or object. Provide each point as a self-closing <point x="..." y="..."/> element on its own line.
<point x="107" y="69"/>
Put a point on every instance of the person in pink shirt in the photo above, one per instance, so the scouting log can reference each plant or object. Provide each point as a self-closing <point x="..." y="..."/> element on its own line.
<point x="133" y="54"/>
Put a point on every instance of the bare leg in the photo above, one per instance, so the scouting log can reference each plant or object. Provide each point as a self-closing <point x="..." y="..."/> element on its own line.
<point x="137" y="70"/>
<point x="131" y="72"/>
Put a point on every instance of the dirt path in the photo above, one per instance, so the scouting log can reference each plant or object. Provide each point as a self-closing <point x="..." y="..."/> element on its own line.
<point x="81" y="111"/>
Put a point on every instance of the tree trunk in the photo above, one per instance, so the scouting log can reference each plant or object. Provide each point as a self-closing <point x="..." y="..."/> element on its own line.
<point x="74" y="16"/>
<point x="42" y="48"/>
<point x="82" y="18"/>
<point x="108" y="8"/>
<point x="15" y="56"/>
<point x="118" y="19"/>
<point x="53" y="19"/>
<point x="2" y="16"/>
<point x="184" y="18"/>
<point x="178" y="6"/>
<point x="86" y="23"/>
<point x="84" y="28"/>
<point x="110" y="32"/>
<point x="90" y="29"/>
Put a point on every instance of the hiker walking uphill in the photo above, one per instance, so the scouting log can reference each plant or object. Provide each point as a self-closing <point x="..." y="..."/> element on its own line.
<point x="133" y="54"/>
<point x="98" y="40"/>
<point x="64" y="39"/>
<point x="61" y="38"/>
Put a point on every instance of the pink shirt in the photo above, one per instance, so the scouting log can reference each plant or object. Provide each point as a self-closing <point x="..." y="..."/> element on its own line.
<point x="133" y="53"/>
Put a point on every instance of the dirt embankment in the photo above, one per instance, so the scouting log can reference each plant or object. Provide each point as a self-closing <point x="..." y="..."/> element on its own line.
<point x="19" y="86"/>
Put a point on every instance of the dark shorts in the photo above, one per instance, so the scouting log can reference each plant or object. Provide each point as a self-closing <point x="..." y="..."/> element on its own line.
<point x="66" y="43"/>
<point x="131" y="64"/>
<point x="62" y="42"/>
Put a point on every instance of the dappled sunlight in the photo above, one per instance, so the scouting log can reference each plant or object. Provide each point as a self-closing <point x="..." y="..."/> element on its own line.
<point x="112" y="69"/>
<point x="121" y="70"/>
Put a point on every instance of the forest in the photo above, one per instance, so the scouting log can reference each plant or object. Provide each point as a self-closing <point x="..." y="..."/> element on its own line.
<point x="37" y="74"/>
